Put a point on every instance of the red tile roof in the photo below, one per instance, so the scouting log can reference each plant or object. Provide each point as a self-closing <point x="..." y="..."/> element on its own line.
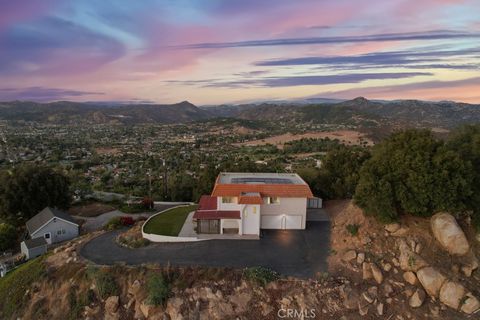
<point x="266" y="190"/>
<point x="250" y="200"/>
<point x="207" y="203"/>
<point x="216" y="214"/>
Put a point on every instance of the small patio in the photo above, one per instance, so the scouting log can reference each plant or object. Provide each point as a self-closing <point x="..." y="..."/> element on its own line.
<point x="188" y="230"/>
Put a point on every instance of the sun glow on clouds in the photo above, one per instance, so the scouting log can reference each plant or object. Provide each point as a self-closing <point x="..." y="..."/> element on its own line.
<point x="217" y="51"/>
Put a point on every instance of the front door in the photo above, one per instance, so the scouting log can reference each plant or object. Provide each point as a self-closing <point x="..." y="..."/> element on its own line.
<point x="48" y="237"/>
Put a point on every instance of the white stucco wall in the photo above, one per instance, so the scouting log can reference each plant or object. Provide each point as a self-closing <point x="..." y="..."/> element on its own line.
<point x="232" y="224"/>
<point x="228" y="206"/>
<point x="287" y="206"/>
<point x="251" y="219"/>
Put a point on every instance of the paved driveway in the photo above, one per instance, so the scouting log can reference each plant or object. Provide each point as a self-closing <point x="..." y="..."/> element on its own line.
<point x="98" y="222"/>
<point x="300" y="253"/>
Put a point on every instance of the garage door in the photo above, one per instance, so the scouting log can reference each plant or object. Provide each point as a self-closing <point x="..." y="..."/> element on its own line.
<point x="293" y="222"/>
<point x="272" y="222"/>
<point x="282" y="222"/>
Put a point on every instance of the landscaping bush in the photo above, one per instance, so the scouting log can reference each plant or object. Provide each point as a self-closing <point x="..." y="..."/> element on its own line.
<point x="105" y="283"/>
<point x="353" y="229"/>
<point x="133" y="242"/>
<point x="113" y="224"/>
<point x="261" y="275"/>
<point x="158" y="289"/>
<point x="127" y="221"/>
<point x="8" y="236"/>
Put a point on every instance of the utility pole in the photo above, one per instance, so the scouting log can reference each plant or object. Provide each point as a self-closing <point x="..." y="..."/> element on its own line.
<point x="149" y="174"/>
<point x="165" y="187"/>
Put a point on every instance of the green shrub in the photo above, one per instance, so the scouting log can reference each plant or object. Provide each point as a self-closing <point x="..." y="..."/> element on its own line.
<point x="8" y="236"/>
<point x="158" y="289"/>
<point x="113" y="224"/>
<point x="413" y="172"/>
<point x="353" y="229"/>
<point x="14" y="285"/>
<point x="105" y="283"/>
<point x="476" y="222"/>
<point x="261" y="275"/>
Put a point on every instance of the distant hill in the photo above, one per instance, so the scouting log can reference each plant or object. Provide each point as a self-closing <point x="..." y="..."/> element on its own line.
<point x="360" y="112"/>
<point x="65" y="112"/>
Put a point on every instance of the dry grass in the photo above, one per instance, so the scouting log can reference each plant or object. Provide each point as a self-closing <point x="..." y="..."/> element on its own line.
<point x="90" y="209"/>
<point x="347" y="137"/>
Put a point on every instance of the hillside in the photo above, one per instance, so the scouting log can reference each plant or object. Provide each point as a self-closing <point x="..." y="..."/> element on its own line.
<point x="357" y="112"/>
<point x="65" y="112"/>
<point x="378" y="272"/>
<point x="362" y="112"/>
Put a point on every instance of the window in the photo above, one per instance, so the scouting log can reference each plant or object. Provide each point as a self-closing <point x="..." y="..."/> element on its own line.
<point x="59" y="232"/>
<point x="63" y="231"/>
<point x="273" y="200"/>
<point x="255" y="209"/>
<point x="47" y="235"/>
<point x="208" y="226"/>
<point x="227" y="199"/>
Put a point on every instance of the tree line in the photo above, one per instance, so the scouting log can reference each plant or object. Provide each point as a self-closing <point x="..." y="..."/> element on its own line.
<point x="411" y="172"/>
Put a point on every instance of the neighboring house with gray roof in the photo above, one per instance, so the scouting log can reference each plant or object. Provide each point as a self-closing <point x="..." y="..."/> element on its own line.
<point x="53" y="225"/>
<point x="33" y="248"/>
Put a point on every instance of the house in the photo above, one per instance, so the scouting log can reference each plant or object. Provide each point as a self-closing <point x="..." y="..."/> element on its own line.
<point x="53" y="225"/>
<point x="33" y="248"/>
<point x="245" y="203"/>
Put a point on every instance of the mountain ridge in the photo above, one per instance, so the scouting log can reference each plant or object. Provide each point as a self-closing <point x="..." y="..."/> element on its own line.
<point x="359" y="111"/>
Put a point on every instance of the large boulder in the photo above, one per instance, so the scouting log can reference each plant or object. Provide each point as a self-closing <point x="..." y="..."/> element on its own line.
<point x="349" y="255"/>
<point x="112" y="304"/>
<point x="447" y="231"/>
<point x="470" y="304"/>
<point x="409" y="260"/>
<point x="451" y="294"/>
<point x="431" y="280"/>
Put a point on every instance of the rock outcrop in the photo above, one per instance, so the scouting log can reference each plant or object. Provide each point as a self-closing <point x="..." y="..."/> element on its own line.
<point x="470" y="304"/>
<point x="449" y="234"/>
<point x="451" y="294"/>
<point x="431" y="280"/>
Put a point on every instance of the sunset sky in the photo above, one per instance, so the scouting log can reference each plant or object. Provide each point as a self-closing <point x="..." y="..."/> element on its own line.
<point x="230" y="51"/>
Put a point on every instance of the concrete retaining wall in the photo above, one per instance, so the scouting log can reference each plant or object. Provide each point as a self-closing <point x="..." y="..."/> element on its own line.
<point x="160" y="238"/>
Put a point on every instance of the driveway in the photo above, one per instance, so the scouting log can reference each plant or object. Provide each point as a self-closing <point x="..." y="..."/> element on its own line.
<point x="300" y="253"/>
<point x="98" y="222"/>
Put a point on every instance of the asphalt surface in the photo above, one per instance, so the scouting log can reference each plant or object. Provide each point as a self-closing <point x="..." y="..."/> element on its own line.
<point x="98" y="222"/>
<point x="299" y="253"/>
